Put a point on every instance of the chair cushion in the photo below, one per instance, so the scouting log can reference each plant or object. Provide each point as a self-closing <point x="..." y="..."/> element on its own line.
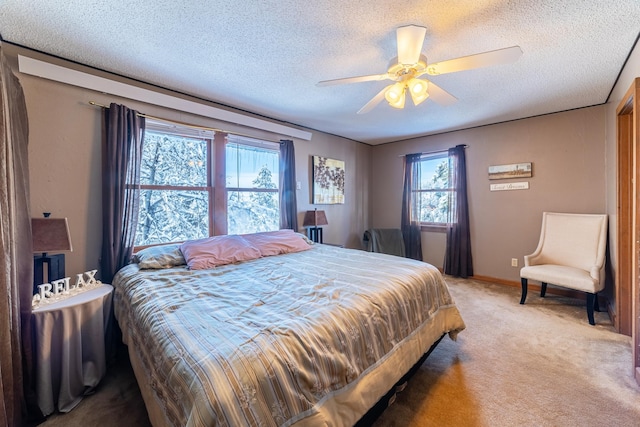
<point x="560" y="275"/>
<point x="575" y="240"/>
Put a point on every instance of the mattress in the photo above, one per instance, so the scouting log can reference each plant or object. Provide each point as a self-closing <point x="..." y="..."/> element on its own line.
<point x="307" y="338"/>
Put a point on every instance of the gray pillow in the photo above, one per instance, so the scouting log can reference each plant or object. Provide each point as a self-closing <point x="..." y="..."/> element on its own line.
<point x="164" y="256"/>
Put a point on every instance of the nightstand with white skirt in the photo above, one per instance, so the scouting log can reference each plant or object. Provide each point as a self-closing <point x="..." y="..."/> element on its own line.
<point x="70" y="347"/>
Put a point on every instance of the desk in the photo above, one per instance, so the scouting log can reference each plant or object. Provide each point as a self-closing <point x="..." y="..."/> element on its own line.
<point x="70" y="353"/>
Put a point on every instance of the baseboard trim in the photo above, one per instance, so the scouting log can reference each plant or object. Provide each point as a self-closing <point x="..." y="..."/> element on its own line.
<point x="569" y="293"/>
<point x="612" y="316"/>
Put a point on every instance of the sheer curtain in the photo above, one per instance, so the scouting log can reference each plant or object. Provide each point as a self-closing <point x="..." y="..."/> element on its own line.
<point x="458" y="261"/>
<point x="410" y="222"/>
<point x="121" y="159"/>
<point x="16" y="270"/>
<point x="288" y="201"/>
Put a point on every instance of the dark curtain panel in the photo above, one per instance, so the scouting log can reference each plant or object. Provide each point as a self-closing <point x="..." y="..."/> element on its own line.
<point x="288" y="201"/>
<point x="458" y="260"/>
<point x="410" y="222"/>
<point x="121" y="158"/>
<point x="16" y="270"/>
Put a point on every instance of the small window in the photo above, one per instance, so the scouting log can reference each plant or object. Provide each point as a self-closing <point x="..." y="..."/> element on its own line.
<point x="434" y="191"/>
<point x="252" y="181"/>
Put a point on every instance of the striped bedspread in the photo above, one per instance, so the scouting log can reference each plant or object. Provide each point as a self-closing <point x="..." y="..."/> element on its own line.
<point x="308" y="338"/>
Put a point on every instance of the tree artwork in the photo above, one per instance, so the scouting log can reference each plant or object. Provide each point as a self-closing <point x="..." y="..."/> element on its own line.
<point x="328" y="180"/>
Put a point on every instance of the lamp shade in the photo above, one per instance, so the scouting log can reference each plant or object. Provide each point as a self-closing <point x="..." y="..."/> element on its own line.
<point x="395" y="95"/>
<point x="50" y="235"/>
<point x="418" y="90"/>
<point x="314" y="218"/>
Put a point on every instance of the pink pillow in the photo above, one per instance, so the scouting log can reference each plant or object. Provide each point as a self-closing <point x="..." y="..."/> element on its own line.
<point x="218" y="250"/>
<point x="277" y="242"/>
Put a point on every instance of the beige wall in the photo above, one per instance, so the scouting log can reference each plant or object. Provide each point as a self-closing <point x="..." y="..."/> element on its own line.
<point x="65" y="155"/>
<point x="568" y="155"/>
<point x="346" y="222"/>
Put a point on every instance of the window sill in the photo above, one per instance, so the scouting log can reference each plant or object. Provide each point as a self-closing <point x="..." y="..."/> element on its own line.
<point x="434" y="228"/>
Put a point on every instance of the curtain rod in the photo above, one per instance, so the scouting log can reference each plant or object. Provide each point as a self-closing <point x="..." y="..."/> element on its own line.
<point x="190" y="125"/>
<point x="433" y="152"/>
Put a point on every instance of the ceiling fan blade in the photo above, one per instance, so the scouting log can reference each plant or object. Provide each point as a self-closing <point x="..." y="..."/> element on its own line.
<point x="409" y="40"/>
<point x="373" y="102"/>
<point x="357" y="79"/>
<point x="439" y="95"/>
<point x="486" y="59"/>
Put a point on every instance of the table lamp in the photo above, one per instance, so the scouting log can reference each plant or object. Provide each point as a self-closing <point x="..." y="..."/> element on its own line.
<point x="49" y="235"/>
<point x="312" y="220"/>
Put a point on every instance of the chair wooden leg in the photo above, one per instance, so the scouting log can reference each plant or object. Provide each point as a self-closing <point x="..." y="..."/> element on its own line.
<point x="524" y="284"/>
<point x="590" y="305"/>
<point x="543" y="289"/>
<point x="596" y="304"/>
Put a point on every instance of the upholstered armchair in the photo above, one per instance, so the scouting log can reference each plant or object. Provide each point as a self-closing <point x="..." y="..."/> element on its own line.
<point x="385" y="240"/>
<point x="570" y="254"/>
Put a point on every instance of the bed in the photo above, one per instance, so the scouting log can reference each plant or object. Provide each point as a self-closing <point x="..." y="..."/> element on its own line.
<point x="305" y="337"/>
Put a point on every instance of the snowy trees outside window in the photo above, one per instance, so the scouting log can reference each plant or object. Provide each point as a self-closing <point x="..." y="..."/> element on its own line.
<point x="176" y="197"/>
<point x="252" y="187"/>
<point x="434" y="190"/>
<point x="174" y="200"/>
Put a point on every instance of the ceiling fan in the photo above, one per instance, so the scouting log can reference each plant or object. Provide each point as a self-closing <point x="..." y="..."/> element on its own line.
<point x="410" y="64"/>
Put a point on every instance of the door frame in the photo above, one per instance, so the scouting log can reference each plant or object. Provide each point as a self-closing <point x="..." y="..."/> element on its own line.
<point x="627" y="281"/>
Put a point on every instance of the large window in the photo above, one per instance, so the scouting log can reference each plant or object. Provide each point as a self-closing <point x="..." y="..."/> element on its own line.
<point x="434" y="190"/>
<point x="252" y="185"/>
<point x="175" y="186"/>
<point x="176" y="199"/>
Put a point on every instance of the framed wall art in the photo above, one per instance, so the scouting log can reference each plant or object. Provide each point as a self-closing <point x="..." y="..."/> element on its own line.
<point x="328" y="181"/>
<point x="516" y="170"/>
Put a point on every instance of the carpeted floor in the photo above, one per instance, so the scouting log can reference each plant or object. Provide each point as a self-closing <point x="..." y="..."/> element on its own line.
<point x="539" y="364"/>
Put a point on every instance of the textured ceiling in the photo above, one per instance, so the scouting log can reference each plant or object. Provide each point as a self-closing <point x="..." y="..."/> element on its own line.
<point x="266" y="56"/>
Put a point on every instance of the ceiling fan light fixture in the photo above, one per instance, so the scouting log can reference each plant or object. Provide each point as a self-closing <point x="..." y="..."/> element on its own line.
<point x="399" y="104"/>
<point x="418" y="90"/>
<point x="395" y="95"/>
<point x="410" y="64"/>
